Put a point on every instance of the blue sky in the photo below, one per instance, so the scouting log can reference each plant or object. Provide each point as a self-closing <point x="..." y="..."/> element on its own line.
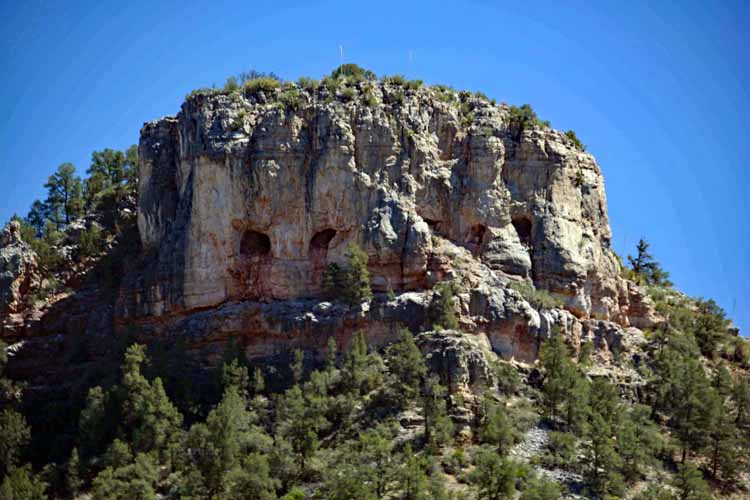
<point x="657" y="90"/>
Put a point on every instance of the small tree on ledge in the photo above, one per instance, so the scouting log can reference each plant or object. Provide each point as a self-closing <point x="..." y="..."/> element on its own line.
<point x="352" y="282"/>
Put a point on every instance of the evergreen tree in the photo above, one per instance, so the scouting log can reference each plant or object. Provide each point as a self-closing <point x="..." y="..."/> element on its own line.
<point x="20" y="483"/>
<point x="411" y="476"/>
<point x="406" y="368"/>
<point x="442" y="309"/>
<point x="602" y="473"/>
<point x="250" y="480"/>
<point x="690" y="484"/>
<point x="438" y="425"/>
<point x="494" y="477"/>
<point x="496" y="429"/>
<point x="540" y="488"/>
<point x="645" y="269"/>
<point x="73" y="480"/>
<point x="135" y="481"/>
<point x="64" y="195"/>
<point x="150" y="420"/>
<point x="564" y="389"/>
<point x="357" y="277"/>
<point x="637" y="441"/>
<point x="15" y="436"/>
<point x="38" y="216"/>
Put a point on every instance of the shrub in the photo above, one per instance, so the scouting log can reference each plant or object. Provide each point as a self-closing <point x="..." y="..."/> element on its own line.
<point x="201" y="91"/>
<point x="231" y="85"/>
<point x="348" y="94"/>
<point x="353" y="72"/>
<point x="398" y="80"/>
<point x="91" y="241"/>
<point x="239" y="121"/>
<point x="413" y="84"/>
<point x="572" y="137"/>
<point x="309" y="84"/>
<point x="442" y="310"/>
<point x="579" y="180"/>
<point x="524" y="117"/>
<point x="331" y="84"/>
<point x="352" y="282"/>
<point x="369" y="99"/>
<point x="508" y="380"/>
<point x="290" y="99"/>
<point x="265" y="84"/>
<point x="539" y="298"/>
<point x="445" y="93"/>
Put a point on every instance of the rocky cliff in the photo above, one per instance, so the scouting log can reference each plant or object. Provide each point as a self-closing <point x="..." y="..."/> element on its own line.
<point x="246" y="197"/>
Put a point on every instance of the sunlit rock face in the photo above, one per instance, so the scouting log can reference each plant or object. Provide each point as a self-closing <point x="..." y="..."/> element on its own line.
<point x="245" y="198"/>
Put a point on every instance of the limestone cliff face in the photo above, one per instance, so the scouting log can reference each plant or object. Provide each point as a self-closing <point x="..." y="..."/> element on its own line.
<point x="244" y="198"/>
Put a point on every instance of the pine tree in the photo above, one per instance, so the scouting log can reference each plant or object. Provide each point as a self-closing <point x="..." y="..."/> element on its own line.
<point x="64" y="195"/>
<point x="16" y="434"/>
<point x="690" y="484"/>
<point x="602" y="473"/>
<point x="406" y="368"/>
<point x="442" y="309"/>
<point x="411" y="476"/>
<point x="494" y="477"/>
<point x="645" y="269"/>
<point x="437" y="423"/>
<point x="357" y="277"/>
<point x="496" y="429"/>
<point x="540" y="488"/>
<point x="73" y="480"/>
<point x="564" y="389"/>
<point x="149" y="418"/>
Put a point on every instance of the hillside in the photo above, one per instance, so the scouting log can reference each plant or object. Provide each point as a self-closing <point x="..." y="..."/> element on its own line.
<point x="355" y="288"/>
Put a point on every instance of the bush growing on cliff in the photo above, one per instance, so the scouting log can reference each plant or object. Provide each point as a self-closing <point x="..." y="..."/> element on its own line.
<point x="264" y="84"/>
<point x="350" y="283"/>
<point x="524" y="117"/>
<point x="539" y="298"/>
<point x="353" y="73"/>
<point x="571" y="135"/>
<point x="442" y="309"/>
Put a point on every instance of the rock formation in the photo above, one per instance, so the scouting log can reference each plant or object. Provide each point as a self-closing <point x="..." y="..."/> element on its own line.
<point x="245" y="200"/>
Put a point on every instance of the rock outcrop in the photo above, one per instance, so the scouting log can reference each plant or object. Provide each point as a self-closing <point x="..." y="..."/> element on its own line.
<point x="245" y="199"/>
<point x="18" y="277"/>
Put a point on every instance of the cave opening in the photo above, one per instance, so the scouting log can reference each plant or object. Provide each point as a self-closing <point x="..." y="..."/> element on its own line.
<point x="255" y="244"/>
<point x="319" y="242"/>
<point x="522" y="224"/>
<point x="318" y="251"/>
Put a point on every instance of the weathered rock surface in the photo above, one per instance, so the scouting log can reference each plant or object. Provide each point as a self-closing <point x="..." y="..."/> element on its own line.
<point x="18" y="277"/>
<point x="244" y="202"/>
<point x="241" y="198"/>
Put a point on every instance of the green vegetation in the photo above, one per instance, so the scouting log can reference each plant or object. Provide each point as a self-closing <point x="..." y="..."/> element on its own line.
<point x="442" y="309"/>
<point x="644" y="269"/>
<point x="523" y="118"/>
<point x="350" y="283"/>
<point x="539" y="298"/>
<point x="261" y="84"/>
<point x="353" y="73"/>
<point x="571" y="135"/>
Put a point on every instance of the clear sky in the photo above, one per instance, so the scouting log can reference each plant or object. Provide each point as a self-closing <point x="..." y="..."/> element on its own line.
<point x="657" y="90"/>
